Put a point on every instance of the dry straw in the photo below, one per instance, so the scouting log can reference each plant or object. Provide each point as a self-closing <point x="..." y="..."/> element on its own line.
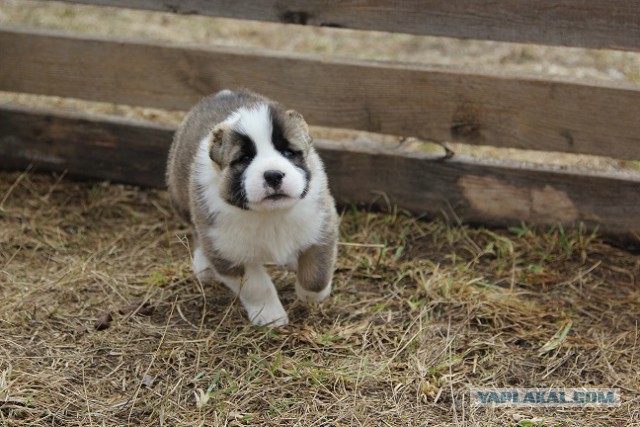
<point x="421" y="312"/>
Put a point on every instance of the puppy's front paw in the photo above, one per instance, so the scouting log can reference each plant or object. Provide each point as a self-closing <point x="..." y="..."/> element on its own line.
<point x="310" y="296"/>
<point x="272" y="315"/>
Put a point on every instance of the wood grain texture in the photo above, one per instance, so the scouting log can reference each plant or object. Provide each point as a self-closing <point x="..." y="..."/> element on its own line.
<point x="613" y="24"/>
<point x="493" y="194"/>
<point x="111" y="149"/>
<point x="433" y="103"/>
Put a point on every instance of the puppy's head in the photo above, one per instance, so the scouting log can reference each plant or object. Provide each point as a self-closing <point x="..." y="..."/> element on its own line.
<point x="261" y="154"/>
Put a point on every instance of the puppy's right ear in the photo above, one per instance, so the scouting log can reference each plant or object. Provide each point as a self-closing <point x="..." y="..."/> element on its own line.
<point x="301" y="124"/>
<point x="215" y="144"/>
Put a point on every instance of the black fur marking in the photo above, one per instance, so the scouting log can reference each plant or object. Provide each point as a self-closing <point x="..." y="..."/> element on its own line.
<point x="237" y="195"/>
<point x="282" y="144"/>
<point x="307" y="180"/>
<point x="277" y="134"/>
<point x="279" y="141"/>
<point x="247" y="149"/>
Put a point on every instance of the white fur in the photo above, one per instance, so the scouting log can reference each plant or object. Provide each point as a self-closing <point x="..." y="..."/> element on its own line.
<point x="201" y="267"/>
<point x="207" y="177"/>
<point x="225" y="92"/>
<point x="258" y="296"/>
<point x="266" y="237"/>
<point x="310" y="296"/>
<point x="253" y="122"/>
<point x="268" y="159"/>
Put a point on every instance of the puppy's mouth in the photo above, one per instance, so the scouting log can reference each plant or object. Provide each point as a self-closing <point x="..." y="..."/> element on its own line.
<point x="276" y="196"/>
<point x="274" y="201"/>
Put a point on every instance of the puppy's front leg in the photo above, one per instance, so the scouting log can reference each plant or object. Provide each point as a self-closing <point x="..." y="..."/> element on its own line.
<point x="250" y="282"/>
<point x="258" y="296"/>
<point x="315" y="271"/>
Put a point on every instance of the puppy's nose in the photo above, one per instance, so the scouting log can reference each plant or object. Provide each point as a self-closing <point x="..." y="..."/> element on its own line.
<point x="273" y="178"/>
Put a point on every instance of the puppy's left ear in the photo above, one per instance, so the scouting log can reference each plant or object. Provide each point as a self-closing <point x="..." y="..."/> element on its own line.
<point x="301" y="124"/>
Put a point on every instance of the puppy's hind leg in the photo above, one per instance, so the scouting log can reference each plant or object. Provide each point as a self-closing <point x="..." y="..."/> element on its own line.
<point x="315" y="271"/>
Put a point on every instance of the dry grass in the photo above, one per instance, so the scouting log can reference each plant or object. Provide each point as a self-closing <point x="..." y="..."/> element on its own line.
<point x="421" y="311"/>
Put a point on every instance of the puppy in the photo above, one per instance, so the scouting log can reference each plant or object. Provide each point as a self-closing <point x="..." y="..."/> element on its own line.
<point x="242" y="170"/>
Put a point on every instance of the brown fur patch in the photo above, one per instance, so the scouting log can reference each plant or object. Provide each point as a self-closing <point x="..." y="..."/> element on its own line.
<point x="315" y="264"/>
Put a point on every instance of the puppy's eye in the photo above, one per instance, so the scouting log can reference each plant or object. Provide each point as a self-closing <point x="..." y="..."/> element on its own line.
<point x="288" y="153"/>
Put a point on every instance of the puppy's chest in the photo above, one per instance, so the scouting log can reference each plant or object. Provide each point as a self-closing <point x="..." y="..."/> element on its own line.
<point x="265" y="238"/>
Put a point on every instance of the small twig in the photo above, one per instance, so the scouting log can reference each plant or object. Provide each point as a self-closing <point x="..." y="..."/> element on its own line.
<point x="11" y="403"/>
<point x="362" y="245"/>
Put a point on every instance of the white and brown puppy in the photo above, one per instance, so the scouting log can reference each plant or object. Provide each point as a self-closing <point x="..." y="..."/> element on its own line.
<point x="242" y="170"/>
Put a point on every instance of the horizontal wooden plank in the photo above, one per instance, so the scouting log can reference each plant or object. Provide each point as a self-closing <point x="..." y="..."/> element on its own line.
<point x="427" y="102"/>
<point x="493" y="194"/>
<point x="112" y="149"/>
<point x="611" y="24"/>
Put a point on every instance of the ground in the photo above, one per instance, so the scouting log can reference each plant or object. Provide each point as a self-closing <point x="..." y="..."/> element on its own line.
<point x="103" y="323"/>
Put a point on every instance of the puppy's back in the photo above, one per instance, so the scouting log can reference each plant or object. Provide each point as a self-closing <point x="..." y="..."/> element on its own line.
<point x="195" y="126"/>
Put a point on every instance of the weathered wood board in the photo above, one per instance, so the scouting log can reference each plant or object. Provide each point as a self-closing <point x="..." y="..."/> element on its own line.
<point x="112" y="149"/>
<point x="434" y="103"/>
<point x="493" y="194"/>
<point x="613" y="24"/>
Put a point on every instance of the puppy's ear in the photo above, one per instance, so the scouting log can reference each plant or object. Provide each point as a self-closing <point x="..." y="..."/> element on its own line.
<point x="215" y="144"/>
<point x="301" y="125"/>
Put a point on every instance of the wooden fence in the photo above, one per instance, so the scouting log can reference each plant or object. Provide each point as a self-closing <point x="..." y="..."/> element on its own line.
<point x="436" y="103"/>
